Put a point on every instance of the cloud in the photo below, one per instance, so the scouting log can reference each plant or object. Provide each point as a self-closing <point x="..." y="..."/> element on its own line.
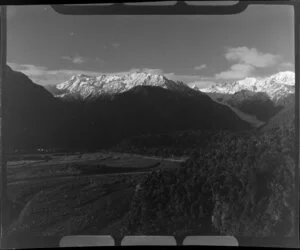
<point x="43" y="76"/>
<point x="99" y="60"/>
<point x="236" y="71"/>
<point x="148" y="70"/>
<point x="171" y="75"/>
<point x="28" y="69"/>
<point x="116" y="45"/>
<point x="251" y="57"/>
<point x="202" y="84"/>
<point x="287" y="65"/>
<point x="200" y="67"/>
<point x="76" y="59"/>
<point x="183" y="78"/>
<point x="153" y="71"/>
<point x="246" y="62"/>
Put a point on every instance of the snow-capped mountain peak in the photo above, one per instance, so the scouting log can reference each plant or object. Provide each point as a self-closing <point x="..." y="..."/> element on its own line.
<point x="276" y="86"/>
<point x="82" y="86"/>
<point x="285" y="77"/>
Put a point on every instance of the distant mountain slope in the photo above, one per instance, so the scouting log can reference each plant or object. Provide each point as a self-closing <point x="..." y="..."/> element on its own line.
<point x="85" y="87"/>
<point x="276" y="86"/>
<point x="33" y="113"/>
<point x="284" y="118"/>
<point x="88" y="88"/>
<point x="37" y="119"/>
<point x="148" y="109"/>
<point x="250" y="118"/>
<point x="53" y="90"/>
<point x="260" y="97"/>
<point x="254" y="103"/>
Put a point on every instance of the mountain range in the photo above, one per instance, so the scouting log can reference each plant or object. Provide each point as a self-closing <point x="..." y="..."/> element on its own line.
<point x="263" y="97"/>
<point x="253" y="100"/>
<point x="276" y="87"/>
<point x="146" y="104"/>
<point x="83" y="87"/>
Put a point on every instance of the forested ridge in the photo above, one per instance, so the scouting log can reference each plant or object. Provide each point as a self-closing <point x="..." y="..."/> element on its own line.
<point x="238" y="184"/>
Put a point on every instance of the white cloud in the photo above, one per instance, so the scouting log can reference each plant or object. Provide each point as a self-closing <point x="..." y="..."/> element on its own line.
<point x="200" y="67"/>
<point x="148" y="70"/>
<point x="44" y="76"/>
<point x="171" y="75"/>
<point x="116" y="45"/>
<point x="201" y="84"/>
<point x="66" y="58"/>
<point x="99" y="60"/>
<point x="76" y="59"/>
<point x="183" y="78"/>
<point x="236" y="71"/>
<point x="28" y="69"/>
<point x="251" y="57"/>
<point x="246" y="61"/>
<point x="153" y="71"/>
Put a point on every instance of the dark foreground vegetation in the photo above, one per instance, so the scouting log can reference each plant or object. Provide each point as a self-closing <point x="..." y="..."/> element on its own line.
<point x="238" y="184"/>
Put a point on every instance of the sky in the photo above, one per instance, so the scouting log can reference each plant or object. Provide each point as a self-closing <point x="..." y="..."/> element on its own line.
<point x="50" y="47"/>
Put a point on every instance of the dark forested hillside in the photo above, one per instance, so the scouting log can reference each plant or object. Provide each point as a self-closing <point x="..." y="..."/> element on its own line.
<point x="286" y="117"/>
<point x="178" y="143"/>
<point x="37" y="119"/>
<point x="258" y="104"/>
<point x="239" y="184"/>
<point x="33" y="114"/>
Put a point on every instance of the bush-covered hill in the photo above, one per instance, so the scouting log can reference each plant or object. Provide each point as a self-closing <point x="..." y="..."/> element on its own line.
<point x="176" y="143"/>
<point x="240" y="184"/>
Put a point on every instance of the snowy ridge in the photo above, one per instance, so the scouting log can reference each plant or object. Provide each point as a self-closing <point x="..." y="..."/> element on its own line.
<point x="276" y="86"/>
<point x="89" y="87"/>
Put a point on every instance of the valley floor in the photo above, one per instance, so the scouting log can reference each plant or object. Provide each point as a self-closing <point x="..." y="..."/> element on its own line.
<point x="55" y="195"/>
